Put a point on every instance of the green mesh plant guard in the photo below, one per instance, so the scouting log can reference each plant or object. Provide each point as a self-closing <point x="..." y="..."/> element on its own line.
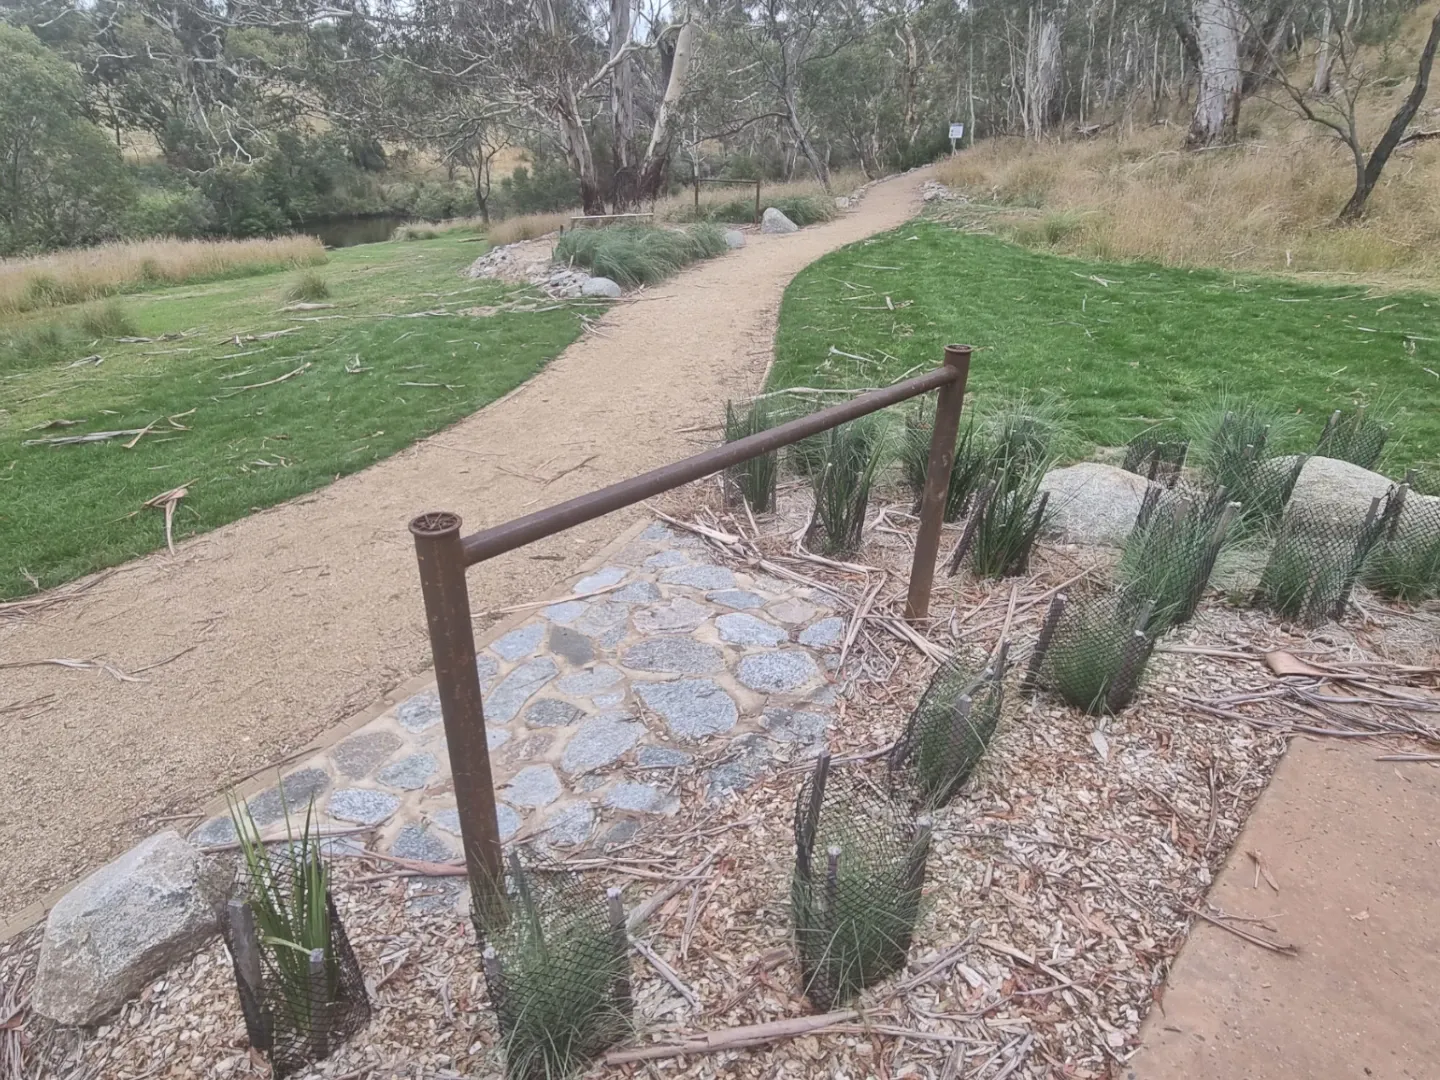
<point x="856" y="888"/>
<point x="1405" y="562"/>
<point x="1317" y="559"/>
<point x="1171" y="552"/>
<point x="1157" y="455"/>
<point x="1093" y="652"/>
<point x="1358" y="437"/>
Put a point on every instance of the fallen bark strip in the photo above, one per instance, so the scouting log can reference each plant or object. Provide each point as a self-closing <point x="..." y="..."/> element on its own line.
<point x="736" y="1038"/>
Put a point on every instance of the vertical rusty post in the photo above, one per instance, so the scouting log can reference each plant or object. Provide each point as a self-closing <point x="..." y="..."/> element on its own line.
<point x="452" y="644"/>
<point x="937" y="482"/>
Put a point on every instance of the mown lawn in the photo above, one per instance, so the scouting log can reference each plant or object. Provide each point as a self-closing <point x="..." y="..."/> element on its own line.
<point x="360" y="387"/>
<point x="1127" y="344"/>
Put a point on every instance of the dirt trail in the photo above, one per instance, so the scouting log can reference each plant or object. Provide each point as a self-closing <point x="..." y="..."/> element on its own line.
<point x="303" y="614"/>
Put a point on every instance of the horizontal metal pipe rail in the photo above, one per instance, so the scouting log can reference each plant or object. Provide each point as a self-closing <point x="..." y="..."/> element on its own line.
<point x="443" y="556"/>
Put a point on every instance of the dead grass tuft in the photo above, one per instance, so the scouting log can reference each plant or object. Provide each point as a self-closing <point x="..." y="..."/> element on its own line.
<point x="527" y="227"/>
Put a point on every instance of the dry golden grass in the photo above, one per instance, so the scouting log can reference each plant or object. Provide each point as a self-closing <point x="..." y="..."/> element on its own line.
<point x="527" y="227"/>
<point x="71" y="277"/>
<point x="1267" y="204"/>
<point x="680" y="207"/>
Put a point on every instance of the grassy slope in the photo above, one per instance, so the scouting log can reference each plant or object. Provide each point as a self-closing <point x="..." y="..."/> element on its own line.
<point x="68" y="510"/>
<point x="1152" y="343"/>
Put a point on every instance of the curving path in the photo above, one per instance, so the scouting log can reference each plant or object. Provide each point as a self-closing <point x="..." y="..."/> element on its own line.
<point x="299" y="616"/>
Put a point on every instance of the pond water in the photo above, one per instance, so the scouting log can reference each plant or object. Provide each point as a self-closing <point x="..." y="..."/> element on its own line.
<point x="347" y="232"/>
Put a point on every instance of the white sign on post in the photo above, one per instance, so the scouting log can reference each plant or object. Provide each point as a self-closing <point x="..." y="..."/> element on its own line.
<point x="957" y="131"/>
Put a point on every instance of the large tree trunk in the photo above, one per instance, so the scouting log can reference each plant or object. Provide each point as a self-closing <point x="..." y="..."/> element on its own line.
<point x="803" y="143"/>
<point x="1042" y="79"/>
<point x="622" y="106"/>
<point x="1218" y="31"/>
<point x="657" y="155"/>
<point x="576" y="144"/>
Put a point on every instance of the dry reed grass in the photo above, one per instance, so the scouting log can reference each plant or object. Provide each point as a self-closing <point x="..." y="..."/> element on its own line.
<point x="681" y="206"/>
<point x="527" y="227"/>
<point x="71" y="277"/>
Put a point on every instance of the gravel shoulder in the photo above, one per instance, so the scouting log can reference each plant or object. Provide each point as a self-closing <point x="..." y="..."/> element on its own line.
<point x="258" y="636"/>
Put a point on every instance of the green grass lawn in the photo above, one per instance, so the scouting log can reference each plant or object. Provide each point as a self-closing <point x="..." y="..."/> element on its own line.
<point x="359" y="388"/>
<point x="1126" y="344"/>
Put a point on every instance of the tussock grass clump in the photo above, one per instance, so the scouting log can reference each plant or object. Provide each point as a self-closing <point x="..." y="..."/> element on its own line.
<point x="526" y="227"/>
<point x="1008" y="516"/>
<point x="1358" y="437"/>
<point x="949" y="730"/>
<point x="1025" y="430"/>
<point x="855" y="891"/>
<point x="753" y="480"/>
<point x="1093" y="652"/>
<point x="1171" y="553"/>
<point x="972" y="458"/>
<point x="1158" y="454"/>
<point x="632" y="255"/>
<point x="853" y="455"/>
<point x="1233" y="443"/>
<point x="433" y="230"/>
<point x="106" y="321"/>
<point x="307" y="287"/>
<point x="1315" y="563"/>
<point x="1407" y="567"/>
<point x="558" y="971"/>
<point x="82" y="274"/>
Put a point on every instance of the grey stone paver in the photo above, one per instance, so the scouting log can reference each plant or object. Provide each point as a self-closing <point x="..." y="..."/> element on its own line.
<point x="699" y="577"/>
<point x="622" y="832"/>
<point x="639" y="798"/>
<point x="534" y="785"/>
<point x="637" y="592"/>
<point x="589" y="683"/>
<point x="409" y="774"/>
<point x="218" y="830"/>
<point x="487" y="668"/>
<point x="601" y="579"/>
<point x="599" y="741"/>
<point x="738" y="628"/>
<point x="740" y="599"/>
<point x="665" y="560"/>
<point x="416" y="714"/>
<point x="496" y="737"/>
<point x="571" y="645"/>
<point x="362" y="806"/>
<point x="796" y="725"/>
<point x="601" y="618"/>
<point x="681" y="613"/>
<point x="505" y="817"/>
<point x="567" y="611"/>
<point x="823" y="634"/>
<point x="551" y="712"/>
<point x="520" y="642"/>
<point x="747" y="756"/>
<point x="299" y="788"/>
<point x="517" y="688"/>
<point x="657" y="530"/>
<point x="773" y="672"/>
<point x="415" y="841"/>
<point x="609" y="699"/>
<point x="661" y="757"/>
<point x="360" y="753"/>
<point x="793" y="611"/>
<point x="570" y="825"/>
<point x="693" y="708"/>
<point x="673" y="655"/>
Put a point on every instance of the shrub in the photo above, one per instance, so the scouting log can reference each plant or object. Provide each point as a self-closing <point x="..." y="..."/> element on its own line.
<point x="1024" y="430"/>
<point x="1093" y="652"/>
<point x="949" y="730"/>
<point x="308" y="286"/>
<point x="632" y="255"/>
<point x="526" y="227"/>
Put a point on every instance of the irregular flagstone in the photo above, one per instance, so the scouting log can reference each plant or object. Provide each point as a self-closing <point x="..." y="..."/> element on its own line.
<point x="622" y="832"/>
<point x="409" y="774"/>
<point x="639" y="798"/>
<point x="506" y="818"/>
<point x="661" y="757"/>
<point x="796" y="725"/>
<point x="415" y="841"/>
<point x="772" y="672"/>
<point x="673" y="654"/>
<point x="214" y="833"/>
<point x="520" y="642"/>
<point x="699" y="577"/>
<point x="658" y="531"/>
<point x="601" y="579"/>
<point x="517" y="688"/>
<point x="823" y="634"/>
<point x="793" y="611"/>
<point x="599" y="741"/>
<point x="637" y="592"/>
<point x="536" y="785"/>
<point x="611" y="699"/>
<point x="748" y="756"/>
<point x="693" y="708"/>
<point x="487" y="668"/>
<point x="571" y="645"/>
<point x="570" y="825"/>
<point x="359" y="754"/>
<point x="601" y="618"/>
<point x="664" y="560"/>
<point x="737" y="628"/>
<point x="741" y="599"/>
<point x="682" y="613"/>
<point x="416" y="714"/>
<point x="496" y="737"/>
<point x="299" y="788"/>
<point x="588" y="683"/>
<point x="550" y="712"/>
<point x="362" y="806"/>
<point x="567" y="611"/>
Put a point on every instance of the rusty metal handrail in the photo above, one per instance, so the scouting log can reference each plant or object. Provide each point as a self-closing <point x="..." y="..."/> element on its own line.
<point x="444" y="555"/>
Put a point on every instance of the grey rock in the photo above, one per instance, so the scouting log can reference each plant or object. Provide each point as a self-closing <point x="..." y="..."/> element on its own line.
<point x="123" y="925"/>
<point x="487" y="668"/>
<point x="1340" y="491"/>
<point x="436" y="896"/>
<point x="773" y="221"/>
<point x="570" y="825"/>
<point x="602" y="619"/>
<point x="591" y="782"/>
<point x="572" y="645"/>
<point x="1092" y="503"/>
<point x="496" y="737"/>
<point x="795" y="725"/>
<point x="772" y="672"/>
<point x="409" y="774"/>
<point x="793" y="611"/>
<point x="640" y="798"/>
<point x="622" y="832"/>
<point x="520" y="642"/>
<point x="551" y="712"/>
<point x="506" y="818"/>
<point x="600" y="286"/>
<point x="657" y="531"/>
<point x="693" y="708"/>
<point x="536" y="785"/>
<point x="736" y="598"/>
<point x="599" y="741"/>
<point x="680" y="614"/>
<point x="661" y="757"/>
<point x="740" y="629"/>
<point x="673" y="654"/>
<point x="601" y="579"/>
<point x="734" y="238"/>
<point x="565" y="612"/>
<point x="587" y="683"/>
<point x="610" y="698"/>
<point x="518" y="687"/>
<point x="637" y="592"/>
<point x="418" y="713"/>
<point x="823" y="634"/>
<point x="699" y="577"/>
<point x="362" y="806"/>
<point x="415" y="841"/>
<point x="664" y="560"/>
<point x="533" y="746"/>
<point x="299" y="788"/>
<point x="213" y="833"/>
<point x="612" y="637"/>
<point x="359" y="754"/>
<point x="747" y="758"/>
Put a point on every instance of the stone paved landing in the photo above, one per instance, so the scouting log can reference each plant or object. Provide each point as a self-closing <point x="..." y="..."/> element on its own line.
<point x="591" y="705"/>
